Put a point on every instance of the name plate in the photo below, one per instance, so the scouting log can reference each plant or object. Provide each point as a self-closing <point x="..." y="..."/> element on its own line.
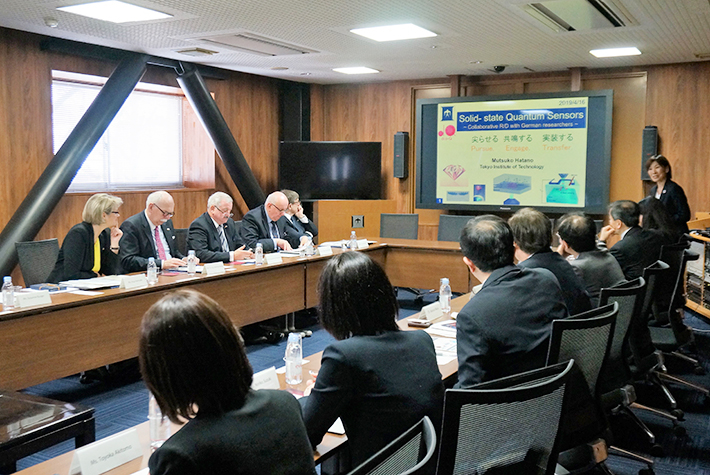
<point x="273" y="258"/>
<point x="325" y="251"/>
<point x="213" y="268"/>
<point x="266" y="379"/>
<point x="432" y="311"/>
<point x="106" y="454"/>
<point x="138" y="281"/>
<point x="32" y="299"/>
<point x="362" y="244"/>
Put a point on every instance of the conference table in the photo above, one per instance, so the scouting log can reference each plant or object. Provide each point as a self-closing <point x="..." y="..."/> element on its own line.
<point x="79" y="332"/>
<point x="326" y="449"/>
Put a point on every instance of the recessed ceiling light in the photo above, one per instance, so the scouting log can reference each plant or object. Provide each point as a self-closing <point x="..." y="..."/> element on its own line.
<point x="115" y="11"/>
<point x="407" y="31"/>
<point x="612" y="52"/>
<point x="279" y="68"/>
<point x="475" y="62"/>
<point x="305" y="74"/>
<point x="356" y="70"/>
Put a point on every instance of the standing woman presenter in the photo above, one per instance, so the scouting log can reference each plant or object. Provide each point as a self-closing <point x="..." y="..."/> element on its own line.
<point x="90" y="248"/>
<point x="669" y="192"/>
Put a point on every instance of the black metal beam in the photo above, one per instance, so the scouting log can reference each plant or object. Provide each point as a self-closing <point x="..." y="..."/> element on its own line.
<point x="39" y="203"/>
<point x="206" y="108"/>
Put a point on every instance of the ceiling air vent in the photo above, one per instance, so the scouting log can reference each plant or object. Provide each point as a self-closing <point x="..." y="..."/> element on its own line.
<point x="254" y="44"/>
<point x="580" y="15"/>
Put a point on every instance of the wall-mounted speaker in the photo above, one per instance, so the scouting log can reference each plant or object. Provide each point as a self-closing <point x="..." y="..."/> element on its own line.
<point x="649" y="148"/>
<point x="401" y="155"/>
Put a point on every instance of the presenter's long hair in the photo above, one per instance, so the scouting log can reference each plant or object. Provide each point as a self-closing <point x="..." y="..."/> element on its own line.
<point x="356" y="297"/>
<point x="192" y="357"/>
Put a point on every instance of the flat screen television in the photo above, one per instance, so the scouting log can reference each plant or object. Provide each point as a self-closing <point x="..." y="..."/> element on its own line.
<point x="331" y="170"/>
<point x="502" y="153"/>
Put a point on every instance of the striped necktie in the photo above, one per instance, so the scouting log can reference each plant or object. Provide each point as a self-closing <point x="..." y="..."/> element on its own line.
<point x="223" y="239"/>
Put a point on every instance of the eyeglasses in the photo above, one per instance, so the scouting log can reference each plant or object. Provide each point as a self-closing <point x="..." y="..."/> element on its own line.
<point x="223" y="212"/>
<point x="280" y="210"/>
<point x="167" y="215"/>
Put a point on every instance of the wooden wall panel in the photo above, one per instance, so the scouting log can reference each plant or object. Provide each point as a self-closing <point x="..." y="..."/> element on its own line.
<point x="334" y="218"/>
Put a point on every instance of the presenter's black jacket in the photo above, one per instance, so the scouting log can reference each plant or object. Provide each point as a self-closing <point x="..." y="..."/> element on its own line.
<point x="76" y="257"/>
<point x="637" y="250"/>
<point x="265" y="436"/>
<point x="505" y="328"/>
<point x="203" y="238"/>
<point x="255" y="229"/>
<point x="576" y="297"/>
<point x="295" y="229"/>
<point x="673" y="197"/>
<point x="137" y="243"/>
<point x="379" y="386"/>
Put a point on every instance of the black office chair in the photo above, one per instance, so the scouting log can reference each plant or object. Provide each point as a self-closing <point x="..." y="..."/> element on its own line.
<point x="37" y="259"/>
<point x="450" y="227"/>
<point x="412" y="453"/>
<point x="399" y="226"/>
<point x="505" y="426"/>
<point x="181" y="240"/>
<point x="239" y="228"/>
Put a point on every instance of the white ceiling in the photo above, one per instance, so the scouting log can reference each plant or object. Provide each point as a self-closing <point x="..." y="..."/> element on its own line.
<point x="496" y="32"/>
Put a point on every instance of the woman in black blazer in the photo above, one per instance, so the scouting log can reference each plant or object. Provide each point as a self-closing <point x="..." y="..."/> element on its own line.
<point x="91" y="247"/>
<point x="379" y="380"/>
<point x="669" y="192"/>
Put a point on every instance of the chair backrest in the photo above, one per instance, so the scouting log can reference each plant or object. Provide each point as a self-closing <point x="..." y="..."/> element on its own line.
<point x="629" y="295"/>
<point x="37" y="259"/>
<point x="450" y="227"/>
<point x="411" y="453"/>
<point x="586" y="339"/>
<point x="399" y="226"/>
<point x="652" y="274"/>
<point x="181" y="240"/>
<point x="682" y="332"/>
<point x="509" y="425"/>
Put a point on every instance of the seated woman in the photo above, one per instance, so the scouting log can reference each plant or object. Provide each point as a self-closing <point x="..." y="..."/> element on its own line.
<point x="193" y="361"/>
<point x="379" y="380"/>
<point x="91" y="247"/>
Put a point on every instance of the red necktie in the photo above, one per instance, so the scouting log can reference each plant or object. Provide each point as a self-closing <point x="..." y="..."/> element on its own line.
<point x="159" y="245"/>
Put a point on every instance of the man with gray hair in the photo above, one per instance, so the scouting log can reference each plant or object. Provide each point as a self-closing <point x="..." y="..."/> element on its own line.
<point x="214" y="235"/>
<point x="150" y="233"/>
<point x="265" y="224"/>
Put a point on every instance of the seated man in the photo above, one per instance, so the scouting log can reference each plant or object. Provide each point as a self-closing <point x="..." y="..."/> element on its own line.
<point x="299" y="228"/>
<point x="505" y="328"/>
<point x="578" y="243"/>
<point x="532" y="232"/>
<point x="150" y="234"/>
<point x="638" y="248"/>
<point x="264" y="224"/>
<point x="214" y="236"/>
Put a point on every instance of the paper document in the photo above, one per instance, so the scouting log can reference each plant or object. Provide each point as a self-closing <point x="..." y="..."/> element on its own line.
<point x="95" y="283"/>
<point x="198" y="269"/>
<point x="446" y="329"/>
<point x="337" y="427"/>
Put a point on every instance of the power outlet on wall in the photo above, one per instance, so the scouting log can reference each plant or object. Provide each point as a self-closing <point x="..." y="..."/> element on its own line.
<point x="358" y="221"/>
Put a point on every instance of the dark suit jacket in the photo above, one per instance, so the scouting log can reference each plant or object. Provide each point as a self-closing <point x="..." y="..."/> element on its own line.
<point x="137" y="243"/>
<point x="295" y="229"/>
<point x="505" y="328"/>
<point x="379" y="386"/>
<point x="573" y="290"/>
<point x="639" y="249"/>
<point x="598" y="270"/>
<point x="255" y="228"/>
<point x="265" y="435"/>
<point x="203" y="238"/>
<point x="76" y="257"/>
<point x="676" y="203"/>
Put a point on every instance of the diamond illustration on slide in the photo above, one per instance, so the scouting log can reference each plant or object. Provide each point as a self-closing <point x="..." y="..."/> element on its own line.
<point x="562" y="190"/>
<point x="513" y="185"/>
<point x="453" y="177"/>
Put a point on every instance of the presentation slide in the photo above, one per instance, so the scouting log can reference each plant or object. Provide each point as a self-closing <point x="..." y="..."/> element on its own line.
<point x="528" y="152"/>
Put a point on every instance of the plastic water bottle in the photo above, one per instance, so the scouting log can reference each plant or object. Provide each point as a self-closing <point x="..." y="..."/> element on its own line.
<point x="152" y="271"/>
<point x="191" y="262"/>
<point x="259" y="254"/>
<point x="294" y="359"/>
<point x="8" y="293"/>
<point x="159" y="424"/>
<point x="353" y="241"/>
<point x="445" y="296"/>
<point x="310" y="250"/>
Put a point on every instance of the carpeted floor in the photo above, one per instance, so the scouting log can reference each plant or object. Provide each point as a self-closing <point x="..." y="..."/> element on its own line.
<point x="122" y="405"/>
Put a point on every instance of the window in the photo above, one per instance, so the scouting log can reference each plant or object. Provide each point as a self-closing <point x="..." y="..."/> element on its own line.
<point x="142" y="147"/>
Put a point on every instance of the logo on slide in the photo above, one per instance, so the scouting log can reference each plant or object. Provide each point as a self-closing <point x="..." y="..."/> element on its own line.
<point x="447" y="113"/>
